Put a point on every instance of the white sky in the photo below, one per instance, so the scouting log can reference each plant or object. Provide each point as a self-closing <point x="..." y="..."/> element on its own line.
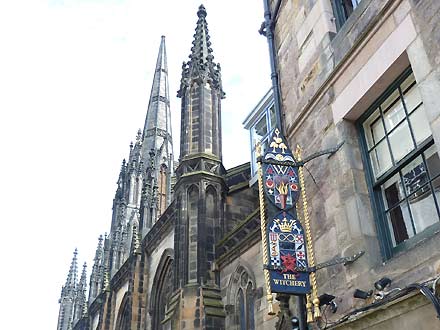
<point x="75" y="77"/>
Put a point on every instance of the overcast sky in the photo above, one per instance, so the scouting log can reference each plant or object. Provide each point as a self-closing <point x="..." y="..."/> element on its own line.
<point x="75" y="77"/>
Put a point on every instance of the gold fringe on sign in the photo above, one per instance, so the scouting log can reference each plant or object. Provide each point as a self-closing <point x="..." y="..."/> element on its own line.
<point x="310" y="252"/>
<point x="263" y="233"/>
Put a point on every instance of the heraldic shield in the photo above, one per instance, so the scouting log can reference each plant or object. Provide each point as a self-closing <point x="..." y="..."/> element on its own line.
<point x="287" y="255"/>
<point x="281" y="183"/>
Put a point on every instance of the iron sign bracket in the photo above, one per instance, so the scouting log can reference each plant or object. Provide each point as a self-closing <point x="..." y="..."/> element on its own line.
<point x="330" y="152"/>
<point x="332" y="262"/>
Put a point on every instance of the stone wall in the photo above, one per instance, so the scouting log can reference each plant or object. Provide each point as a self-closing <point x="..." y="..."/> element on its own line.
<point x="328" y="79"/>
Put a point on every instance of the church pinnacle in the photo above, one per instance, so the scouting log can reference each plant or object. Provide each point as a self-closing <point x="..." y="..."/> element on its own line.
<point x="201" y="91"/>
<point x="68" y="296"/>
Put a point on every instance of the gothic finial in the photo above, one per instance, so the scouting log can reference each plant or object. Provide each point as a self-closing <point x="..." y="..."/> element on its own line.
<point x="201" y="51"/>
<point x="201" y="64"/>
<point x="139" y="136"/>
<point x="69" y="288"/>
<point x="81" y="299"/>
<point x="202" y="11"/>
<point x="84" y="273"/>
<point x="73" y="272"/>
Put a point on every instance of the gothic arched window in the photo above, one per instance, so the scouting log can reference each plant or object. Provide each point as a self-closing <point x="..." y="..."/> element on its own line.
<point x="162" y="290"/>
<point x="124" y="316"/>
<point x="244" y="301"/>
<point x="242" y="310"/>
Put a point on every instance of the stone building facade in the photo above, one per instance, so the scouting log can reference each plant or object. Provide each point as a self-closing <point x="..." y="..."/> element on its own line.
<point x="366" y="73"/>
<point x="362" y="72"/>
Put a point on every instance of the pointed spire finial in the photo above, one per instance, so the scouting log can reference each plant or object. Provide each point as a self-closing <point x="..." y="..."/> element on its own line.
<point x="69" y="288"/>
<point x="202" y="11"/>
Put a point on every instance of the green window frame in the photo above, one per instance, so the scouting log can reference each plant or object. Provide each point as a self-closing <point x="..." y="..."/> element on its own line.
<point x="402" y="166"/>
<point x="343" y="9"/>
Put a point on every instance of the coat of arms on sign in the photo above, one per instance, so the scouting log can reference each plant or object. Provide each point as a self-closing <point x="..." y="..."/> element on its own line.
<point x="280" y="181"/>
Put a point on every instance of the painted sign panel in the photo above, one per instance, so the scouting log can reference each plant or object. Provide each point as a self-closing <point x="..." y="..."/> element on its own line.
<point x="280" y="181"/>
<point x="287" y="255"/>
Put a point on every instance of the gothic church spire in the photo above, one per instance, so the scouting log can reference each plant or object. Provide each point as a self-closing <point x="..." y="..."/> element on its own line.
<point x="68" y="296"/>
<point x="157" y="128"/>
<point x="157" y="146"/>
<point x="81" y="298"/>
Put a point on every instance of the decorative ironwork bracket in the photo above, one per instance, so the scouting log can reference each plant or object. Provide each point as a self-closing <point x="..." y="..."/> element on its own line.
<point x="332" y="262"/>
<point x="330" y="152"/>
<point x="339" y="260"/>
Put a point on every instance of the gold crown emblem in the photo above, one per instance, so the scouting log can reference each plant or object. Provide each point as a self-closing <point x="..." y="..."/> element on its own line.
<point x="285" y="226"/>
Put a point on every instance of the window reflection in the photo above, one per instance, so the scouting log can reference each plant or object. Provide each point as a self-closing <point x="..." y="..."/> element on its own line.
<point x="406" y="170"/>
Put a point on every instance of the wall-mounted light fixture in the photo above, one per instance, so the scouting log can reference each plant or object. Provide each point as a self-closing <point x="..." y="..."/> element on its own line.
<point x="362" y="294"/>
<point x="382" y="283"/>
<point x="328" y="299"/>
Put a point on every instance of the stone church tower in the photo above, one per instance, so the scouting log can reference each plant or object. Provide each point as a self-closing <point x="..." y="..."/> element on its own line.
<point x="172" y="229"/>
<point x="200" y="187"/>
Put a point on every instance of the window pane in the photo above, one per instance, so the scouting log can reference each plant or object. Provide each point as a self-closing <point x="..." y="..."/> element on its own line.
<point x="401" y="141"/>
<point x="394" y="114"/>
<point x="244" y="279"/>
<point x="242" y="311"/>
<point x="373" y="129"/>
<point x="436" y="186"/>
<point x="261" y="127"/>
<point x="414" y="175"/>
<point x="412" y="98"/>
<point x="420" y="125"/>
<point x="399" y="222"/>
<point x="423" y="209"/>
<point x="348" y="7"/>
<point x="410" y="80"/>
<point x="254" y="154"/>
<point x="392" y="191"/>
<point x="273" y="118"/>
<point x="380" y="158"/>
<point x="250" y="306"/>
<point x="432" y="161"/>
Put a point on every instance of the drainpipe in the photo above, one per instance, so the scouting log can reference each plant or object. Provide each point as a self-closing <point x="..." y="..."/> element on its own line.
<point x="266" y="29"/>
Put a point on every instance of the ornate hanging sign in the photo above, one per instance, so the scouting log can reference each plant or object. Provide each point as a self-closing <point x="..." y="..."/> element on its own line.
<point x="287" y="255"/>
<point x="281" y="183"/>
<point x="284" y="240"/>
